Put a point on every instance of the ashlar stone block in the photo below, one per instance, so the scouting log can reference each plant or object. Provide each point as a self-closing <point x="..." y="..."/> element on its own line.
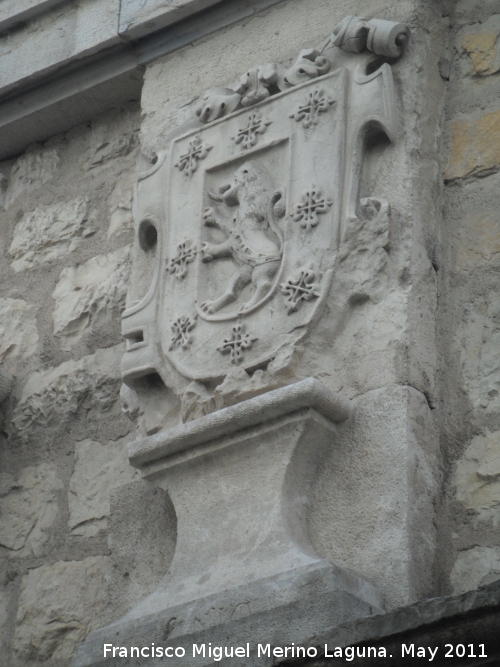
<point x="479" y="242"/>
<point x="120" y="206"/>
<point x="475" y="146"/>
<point x="111" y="138"/>
<point x="29" y="505"/>
<point x="477" y="340"/>
<point x="52" y="397"/>
<point x="31" y="171"/>
<point x="483" y="47"/>
<point x="50" y="232"/>
<point x="98" y="469"/>
<point x="18" y="331"/>
<point x="58" y="605"/>
<point x="85" y="294"/>
<point x="475" y="567"/>
<point x="477" y="477"/>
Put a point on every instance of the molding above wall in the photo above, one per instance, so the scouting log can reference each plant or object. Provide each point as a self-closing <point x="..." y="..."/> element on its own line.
<point x="85" y="64"/>
<point x="15" y="12"/>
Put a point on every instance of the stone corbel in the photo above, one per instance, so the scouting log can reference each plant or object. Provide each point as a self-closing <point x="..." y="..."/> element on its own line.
<point x="284" y="433"/>
<point x="239" y="480"/>
<point x="212" y="468"/>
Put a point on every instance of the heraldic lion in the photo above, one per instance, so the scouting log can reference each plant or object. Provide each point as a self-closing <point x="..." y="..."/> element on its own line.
<point x="253" y="239"/>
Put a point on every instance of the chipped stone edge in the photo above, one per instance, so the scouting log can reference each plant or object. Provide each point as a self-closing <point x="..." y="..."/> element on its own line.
<point x="309" y="393"/>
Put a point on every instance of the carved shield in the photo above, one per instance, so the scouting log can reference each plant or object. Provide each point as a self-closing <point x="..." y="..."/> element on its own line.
<point x="242" y="221"/>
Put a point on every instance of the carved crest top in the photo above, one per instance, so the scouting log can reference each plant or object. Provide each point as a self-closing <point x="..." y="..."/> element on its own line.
<point x="353" y="35"/>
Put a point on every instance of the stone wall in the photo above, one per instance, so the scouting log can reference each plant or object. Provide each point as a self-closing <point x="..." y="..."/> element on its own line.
<point x="67" y="229"/>
<point x="469" y="305"/>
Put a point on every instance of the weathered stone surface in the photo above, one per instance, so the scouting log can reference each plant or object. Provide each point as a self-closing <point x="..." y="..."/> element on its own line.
<point x="466" y="12"/>
<point x="51" y="397"/>
<point x="18" y="331"/>
<point x="475" y="567"/>
<point x="120" y="205"/>
<point x="6" y="620"/>
<point x="478" y="339"/>
<point x="111" y="137"/>
<point x="6" y="382"/>
<point x="98" y="469"/>
<point x="475" y="146"/>
<point x="84" y="295"/>
<point x="477" y="477"/>
<point x="59" y="604"/>
<point x="31" y="171"/>
<point x="29" y="507"/>
<point x="238" y="385"/>
<point x="483" y="47"/>
<point x="479" y="242"/>
<point x="4" y="604"/>
<point x="49" y="232"/>
<point x="363" y="256"/>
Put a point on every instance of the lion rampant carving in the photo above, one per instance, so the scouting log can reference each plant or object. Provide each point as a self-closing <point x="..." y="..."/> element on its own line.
<point x="253" y="238"/>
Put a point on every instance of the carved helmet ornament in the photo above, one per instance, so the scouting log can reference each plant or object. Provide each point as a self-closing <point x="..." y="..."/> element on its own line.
<point x="239" y="223"/>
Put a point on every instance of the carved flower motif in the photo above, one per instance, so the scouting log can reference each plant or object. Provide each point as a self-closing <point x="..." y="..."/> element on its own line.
<point x="308" y="112"/>
<point x="197" y="150"/>
<point x="180" y="331"/>
<point x="186" y="253"/>
<point x="300" y="288"/>
<point x="313" y="203"/>
<point x="236" y="343"/>
<point x="248" y="136"/>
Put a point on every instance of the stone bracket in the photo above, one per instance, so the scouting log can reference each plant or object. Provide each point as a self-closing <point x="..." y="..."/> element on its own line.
<point x="243" y="551"/>
<point x="309" y="393"/>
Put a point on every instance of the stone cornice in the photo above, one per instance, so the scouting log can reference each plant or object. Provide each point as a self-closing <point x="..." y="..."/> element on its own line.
<point x="94" y="69"/>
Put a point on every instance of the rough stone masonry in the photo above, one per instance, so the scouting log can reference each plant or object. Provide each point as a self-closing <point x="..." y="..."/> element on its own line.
<point x="309" y="413"/>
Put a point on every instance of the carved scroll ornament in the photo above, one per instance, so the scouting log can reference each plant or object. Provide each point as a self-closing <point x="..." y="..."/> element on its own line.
<point x="352" y="35"/>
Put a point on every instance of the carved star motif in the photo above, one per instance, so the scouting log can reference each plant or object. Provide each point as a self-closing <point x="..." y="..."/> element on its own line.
<point x="308" y="112"/>
<point x="186" y="253"/>
<point x="313" y="203"/>
<point x="197" y="150"/>
<point x="236" y="343"/>
<point x="180" y="331"/>
<point x="248" y="136"/>
<point x="300" y="288"/>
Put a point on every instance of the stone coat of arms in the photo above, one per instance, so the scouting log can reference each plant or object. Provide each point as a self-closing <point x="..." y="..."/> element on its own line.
<point x="243" y="216"/>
